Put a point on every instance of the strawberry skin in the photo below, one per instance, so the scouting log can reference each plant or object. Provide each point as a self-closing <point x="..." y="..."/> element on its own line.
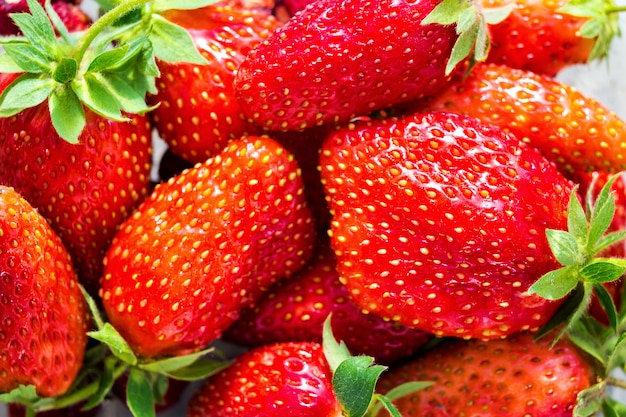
<point x="84" y="190"/>
<point x="295" y="310"/>
<point x="439" y="223"/>
<point x="44" y="315"/>
<point x="505" y="378"/>
<point x="283" y="379"/>
<point x="198" y="113"/>
<point x="205" y="245"/>
<point x="569" y="128"/>
<point x="535" y="37"/>
<point x="339" y="59"/>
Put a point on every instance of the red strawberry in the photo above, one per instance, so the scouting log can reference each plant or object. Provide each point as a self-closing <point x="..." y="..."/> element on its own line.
<point x="573" y="130"/>
<point x="205" y="245"/>
<point x="505" y="378"/>
<point x="295" y="310"/>
<point x="44" y="315"/>
<point x="84" y="190"/>
<point x="537" y="37"/>
<point x="340" y="59"/>
<point x="198" y="113"/>
<point x="74" y="18"/>
<point x="439" y="223"/>
<point x="285" y="379"/>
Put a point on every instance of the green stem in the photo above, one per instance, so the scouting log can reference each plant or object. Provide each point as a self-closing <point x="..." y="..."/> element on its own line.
<point x="616" y="382"/>
<point x="616" y="9"/>
<point x="102" y="23"/>
<point x="30" y="412"/>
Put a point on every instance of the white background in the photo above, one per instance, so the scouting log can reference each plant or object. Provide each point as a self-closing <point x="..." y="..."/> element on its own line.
<point x="605" y="81"/>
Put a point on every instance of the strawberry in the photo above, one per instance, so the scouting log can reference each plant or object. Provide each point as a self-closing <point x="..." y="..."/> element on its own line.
<point x="439" y="222"/>
<point x="285" y="379"/>
<point x="84" y="190"/>
<point x="72" y="16"/>
<point x="44" y="316"/>
<point x="339" y="59"/>
<point x="506" y="378"/>
<point x="295" y="310"/>
<point x="8" y="7"/>
<point x="205" y="245"/>
<point x="574" y="130"/>
<point x="198" y="113"/>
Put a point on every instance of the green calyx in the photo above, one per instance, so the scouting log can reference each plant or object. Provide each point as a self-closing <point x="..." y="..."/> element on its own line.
<point x="109" y="68"/>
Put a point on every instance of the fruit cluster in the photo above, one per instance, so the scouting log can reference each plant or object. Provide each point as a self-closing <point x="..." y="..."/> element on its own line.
<point x="389" y="207"/>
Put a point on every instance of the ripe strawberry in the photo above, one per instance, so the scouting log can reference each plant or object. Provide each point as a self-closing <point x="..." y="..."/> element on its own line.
<point x="44" y="315"/>
<point x="505" y="378"/>
<point x="74" y="18"/>
<point x="439" y="223"/>
<point x="84" y="190"/>
<point x="205" y="245"/>
<point x="340" y="59"/>
<point x="198" y="113"/>
<point x="285" y="379"/>
<point x="573" y="130"/>
<point x="295" y="310"/>
<point x="537" y="37"/>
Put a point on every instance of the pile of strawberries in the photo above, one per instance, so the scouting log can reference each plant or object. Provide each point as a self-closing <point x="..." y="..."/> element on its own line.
<point x="388" y="207"/>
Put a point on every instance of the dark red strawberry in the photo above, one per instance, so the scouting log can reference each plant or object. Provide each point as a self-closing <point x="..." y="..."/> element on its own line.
<point x="439" y="223"/>
<point x="198" y="113"/>
<point x="285" y="379"/>
<point x="44" y="316"/>
<point x="205" y="245"/>
<point x="506" y="378"/>
<point x="339" y="59"/>
<point x="568" y="127"/>
<point x="295" y="310"/>
<point x="84" y="190"/>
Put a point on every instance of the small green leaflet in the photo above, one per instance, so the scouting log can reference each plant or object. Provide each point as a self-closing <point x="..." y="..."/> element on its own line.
<point x="163" y="5"/>
<point x="172" y="43"/>
<point x="139" y="394"/>
<point x="334" y="351"/>
<point x="589" y="401"/>
<point x="67" y="113"/>
<point x="564" y="246"/>
<point x="27" y="91"/>
<point x="24" y="394"/>
<point x="111" y="337"/>
<point x="556" y="284"/>
<point x="354" y="383"/>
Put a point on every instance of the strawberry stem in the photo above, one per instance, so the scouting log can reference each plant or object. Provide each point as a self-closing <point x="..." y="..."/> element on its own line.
<point x="616" y="9"/>
<point x="616" y="382"/>
<point x="104" y="22"/>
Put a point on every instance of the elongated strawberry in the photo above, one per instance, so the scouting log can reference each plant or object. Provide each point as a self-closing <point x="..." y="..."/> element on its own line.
<point x="295" y="310"/>
<point x="506" y="378"/>
<point x="44" y="316"/>
<point x="575" y="131"/>
<point x="340" y="59"/>
<point x="198" y="113"/>
<point x="84" y="190"/>
<point x="439" y="222"/>
<point x="205" y="245"/>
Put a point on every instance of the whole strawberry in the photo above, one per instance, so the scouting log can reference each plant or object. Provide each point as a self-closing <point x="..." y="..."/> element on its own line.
<point x="43" y="334"/>
<point x="575" y="131"/>
<point x="505" y="378"/>
<point x="205" y="245"/>
<point x="84" y="190"/>
<point x="439" y="223"/>
<point x="284" y="379"/>
<point x="295" y="310"/>
<point x="197" y="112"/>
<point x="339" y="59"/>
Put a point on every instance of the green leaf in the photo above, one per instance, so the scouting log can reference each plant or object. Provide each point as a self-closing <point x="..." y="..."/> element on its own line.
<point x="128" y="99"/>
<point x="602" y="213"/>
<point x="598" y="271"/>
<point x="105" y="384"/>
<point x="467" y="19"/>
<point x="483" y="42"/>
<point x="402" y="390"/>
<point x="112" y="338"/>
<point x="93" y="308"/>
<point x="617" y="353"/>
<point x="613" y="408"/>
<point x="495" y="15"/>
<point x="590" y="400"/>
<point x="65" y="71"/>
<point x="172" y="43"/>
<point x="26" y="91"/>
<point x="447" y="12"/>
<point x="93" y="91"/>
<point x="608" y="240"/>
<point x="462" y="47"/>
<point x="163" y="5"/>
<point x="57" y="22"/>
<point x="8" y="65"/>
<point x="585" y="334"/>
<point x="565" y="312"/>
<point x="139" y="394"/>
<point x="608" y="305"/>
<point x="354" y="383"/>
<point x="200" y="369"/>
<point x="24" y="394"/>
<point x="577" y="218"/>
<point x="109" y="59"/>
<point x="36" y="27"/>
<point x="564" y="247"/>
<point x="556" y="284"/>
<point x="67" y="114"/>
<point x="175" y="362"/>
<point x="334" y="351"/>
<point x="28" y="58"/>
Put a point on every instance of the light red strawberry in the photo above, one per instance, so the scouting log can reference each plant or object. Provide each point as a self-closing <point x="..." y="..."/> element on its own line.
<point x="197" y="112"/>
<point x="506" y="378"/>
<point x="84" y="190"/>
<point x="295" y="310"/>
<point x="439" y="223"/>
<point x="205" y="245"/>
<point x="570" y="128"/>
<point x="44" y="316"/>
<point x="340" y="59"/>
